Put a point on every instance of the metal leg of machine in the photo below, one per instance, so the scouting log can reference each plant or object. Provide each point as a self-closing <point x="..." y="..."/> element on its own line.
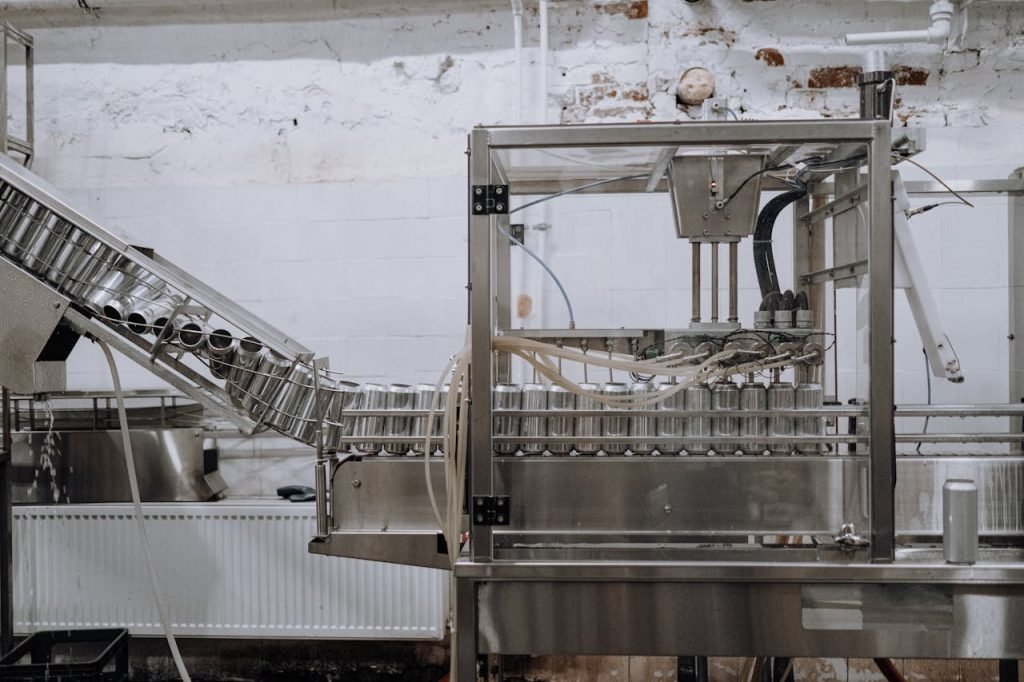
<point x="6" y="533"/>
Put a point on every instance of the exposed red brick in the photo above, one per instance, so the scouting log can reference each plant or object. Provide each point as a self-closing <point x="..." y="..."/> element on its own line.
<point x="833" y="77"/>
<point x="632" y="10"/>
<point x="770" y="56"/>
<point x="637" y="95"/>
<point x="713" y="35"/>
<point x="910" y="75"/>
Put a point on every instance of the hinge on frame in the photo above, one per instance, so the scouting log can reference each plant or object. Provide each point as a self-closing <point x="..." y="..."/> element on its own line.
<point x="490" y="199"/>
<point x="491" y="511"/>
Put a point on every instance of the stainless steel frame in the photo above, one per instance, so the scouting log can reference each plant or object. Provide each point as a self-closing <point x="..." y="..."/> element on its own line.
<point x="639" y="597"/>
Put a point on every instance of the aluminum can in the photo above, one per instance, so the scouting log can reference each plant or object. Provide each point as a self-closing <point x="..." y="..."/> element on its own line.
<point x="347" y="396"/>
<point x="725" y="397"/>
<point x="960" y="521"/>
<point x="697" y="397"/>
<point x="642" y="427"/>
<point x="587" y="427"/>
<point x="781" y="396"/>
<point x="535" y="397"/>
<point x="401" y="398"/>
<point x="669" y="427"/>
<point x="506" y="397"/>
<point x="375" y="397"/>
<point x="560" y="398"/>
<point x="614" y="427"/>
<point x="753" y="396"/>
<point x="809" y="397"/>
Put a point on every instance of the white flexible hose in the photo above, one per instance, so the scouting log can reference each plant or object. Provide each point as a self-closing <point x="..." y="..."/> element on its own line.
<point x="133" y="483"/>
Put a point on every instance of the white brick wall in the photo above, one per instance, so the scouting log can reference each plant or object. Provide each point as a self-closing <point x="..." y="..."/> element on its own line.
<point x="309" y="162"/>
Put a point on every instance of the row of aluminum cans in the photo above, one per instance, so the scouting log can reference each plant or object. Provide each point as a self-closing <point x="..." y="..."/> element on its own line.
<point x="587" y="435"/>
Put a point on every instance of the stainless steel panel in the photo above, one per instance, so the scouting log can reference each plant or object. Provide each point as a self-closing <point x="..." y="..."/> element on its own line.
<point x="88" y="466"/>
<point x="385" y="493"/>
<point x="1000" y="482"/>
<point x="413" y="548"/>
<point x="29" y="314"/>
<point x="715" y="198"/>
<point x="696" y="495"/>
<point x="752" y="619"/>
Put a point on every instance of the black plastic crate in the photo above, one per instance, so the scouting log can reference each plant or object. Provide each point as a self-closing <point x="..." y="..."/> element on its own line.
<point x="69" y="656"/>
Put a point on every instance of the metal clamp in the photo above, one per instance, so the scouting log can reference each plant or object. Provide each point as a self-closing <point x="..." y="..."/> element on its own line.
<point x="491" y="511"/>
<point x="490" y="199"/>
<point x="849" y="539"/>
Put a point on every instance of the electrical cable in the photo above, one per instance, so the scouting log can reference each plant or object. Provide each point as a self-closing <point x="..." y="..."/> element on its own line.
<point x="573" y="190"/>
<point x="133" y="483"/>
<point x="551" y="273"/>
<point x="935" y="177"/>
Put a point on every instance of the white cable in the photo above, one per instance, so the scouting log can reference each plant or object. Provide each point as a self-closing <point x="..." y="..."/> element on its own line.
<point x="133" y="483"/>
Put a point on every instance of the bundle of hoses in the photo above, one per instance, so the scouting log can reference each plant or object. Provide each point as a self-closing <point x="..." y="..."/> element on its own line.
<point x="545" y="359"/>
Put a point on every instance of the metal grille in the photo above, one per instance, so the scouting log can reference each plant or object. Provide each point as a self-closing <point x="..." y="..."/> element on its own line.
<point x="226" y="570"/>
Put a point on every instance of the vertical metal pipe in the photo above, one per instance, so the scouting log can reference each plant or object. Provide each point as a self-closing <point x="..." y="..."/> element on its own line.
<point x="880" y="344"/>
<point x="714" y="281"/>
<point x="322" y="529"/>
<point x="734" y="293"/>
<point x="6" y="534"/>
<point x="695" y="282"/>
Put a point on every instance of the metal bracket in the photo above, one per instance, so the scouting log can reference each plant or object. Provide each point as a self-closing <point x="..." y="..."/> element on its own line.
<point x="490" y="199"/>
<point x="518" y="232"/>
<point x="491" y="511"/>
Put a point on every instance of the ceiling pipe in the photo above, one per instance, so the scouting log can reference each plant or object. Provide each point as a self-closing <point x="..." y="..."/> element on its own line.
<point x="941" y="16"/>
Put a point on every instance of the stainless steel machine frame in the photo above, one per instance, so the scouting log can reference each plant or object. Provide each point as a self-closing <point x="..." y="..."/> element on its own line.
<point x="876" y="603"/>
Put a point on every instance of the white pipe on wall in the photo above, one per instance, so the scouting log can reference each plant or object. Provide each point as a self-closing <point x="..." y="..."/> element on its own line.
<point x="517" y="29"/>
<point x="941" y="16"/>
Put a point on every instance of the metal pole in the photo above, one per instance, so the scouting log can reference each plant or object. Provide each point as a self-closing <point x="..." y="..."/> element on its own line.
<point x="880" y="342"/>
<point x="1015" y="248"/>
<point x="734" y="293"/>
<point x="6" y="533"/>
<point x="482" y="322"/>
<point x="695" y="282"/>
<point x="714" y="281"/>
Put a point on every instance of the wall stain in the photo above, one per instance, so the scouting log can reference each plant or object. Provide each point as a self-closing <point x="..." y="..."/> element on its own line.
<point x="770" y="56"/>
<point x="631" y="10"/>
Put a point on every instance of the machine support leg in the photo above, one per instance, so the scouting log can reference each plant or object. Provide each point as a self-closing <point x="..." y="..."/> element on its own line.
<point x="1009" y="670"/>
<point x="464" y="658"/>
<point x="6" y="533"/>
<point x="695" y="282"/>
<point x="714" y="281"/>
<point x="692" y="669"/>
<point x="734" y="294"/>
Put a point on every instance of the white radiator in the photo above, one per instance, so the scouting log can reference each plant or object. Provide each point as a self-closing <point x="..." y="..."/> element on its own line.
<point x="227" y="569"/>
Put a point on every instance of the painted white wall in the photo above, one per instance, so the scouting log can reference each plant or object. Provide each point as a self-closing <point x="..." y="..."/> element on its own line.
<point x="308" y="159"/>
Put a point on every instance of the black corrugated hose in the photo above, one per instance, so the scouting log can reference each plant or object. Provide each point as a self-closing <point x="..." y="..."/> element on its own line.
<point x="764" y="259"/>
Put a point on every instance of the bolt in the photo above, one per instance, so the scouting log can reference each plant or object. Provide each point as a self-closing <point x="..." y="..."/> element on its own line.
<point x="501" y="519"/>
<point x="499" y="207"/>
<point x="706" y="216"/>
<point x="478" y="190"/>
<point x="479" y="502"/>
<point x="668" y="508"/>
<point x="56" y="304"/>
<point x="479" y="518"/>
<point x="478" y="207"/>
<point x="498" y="191"/>
<point x="356" y="483"/>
